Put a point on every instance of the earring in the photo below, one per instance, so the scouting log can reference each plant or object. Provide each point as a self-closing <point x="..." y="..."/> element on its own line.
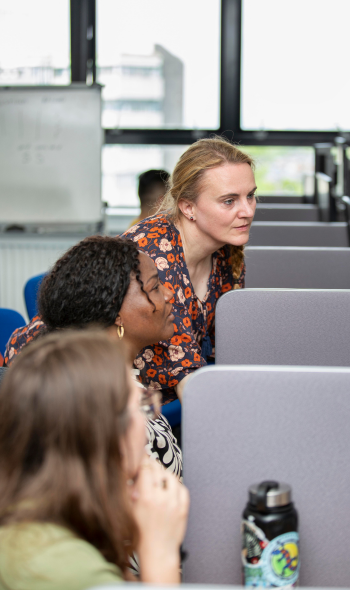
<point x="191" y="218"/>
<point x="120" y="331"/>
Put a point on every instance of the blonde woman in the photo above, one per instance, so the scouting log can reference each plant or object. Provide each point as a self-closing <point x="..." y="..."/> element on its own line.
<point x="196" y="241"/>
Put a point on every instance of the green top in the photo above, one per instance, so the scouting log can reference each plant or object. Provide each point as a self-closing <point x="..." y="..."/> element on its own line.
<point x="44" y="556"/>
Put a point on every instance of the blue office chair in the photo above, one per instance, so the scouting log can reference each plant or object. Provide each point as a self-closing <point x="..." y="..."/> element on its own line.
<point x="31" y="294"/>
<point x="10" y="320"/>
<point x="172" y="412"/>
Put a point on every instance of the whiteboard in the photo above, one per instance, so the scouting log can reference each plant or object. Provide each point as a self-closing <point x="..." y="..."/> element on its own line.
<point x="50" y="154"/>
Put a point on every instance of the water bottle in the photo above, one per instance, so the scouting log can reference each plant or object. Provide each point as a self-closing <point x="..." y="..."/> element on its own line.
<point x="270" y="540"/>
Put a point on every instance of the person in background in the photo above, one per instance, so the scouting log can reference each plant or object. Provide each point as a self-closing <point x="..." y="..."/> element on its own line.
<point x="196" y="241"/>
<point x="152" y="188"/>
<point x="77" y="494"/>
<point x="109" y="282"/>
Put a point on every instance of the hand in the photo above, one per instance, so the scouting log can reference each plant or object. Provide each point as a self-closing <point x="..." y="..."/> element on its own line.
<point x="180" y="386"/>
<point x="160" y="507"/>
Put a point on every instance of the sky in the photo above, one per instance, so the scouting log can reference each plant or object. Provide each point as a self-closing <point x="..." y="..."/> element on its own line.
<point x="295" y="53"/>
<point x="36" y="32"/>
<point x="295" y="65"/>
<point x="190" y="29"/>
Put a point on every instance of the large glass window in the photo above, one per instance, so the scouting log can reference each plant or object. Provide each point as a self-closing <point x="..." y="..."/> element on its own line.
<point x="159" y="62"/>
<point x="295" y="65"/>
<point x="279" y="170"/>
<point x="122" y="164"/>
<point x="282" y="171"/>
<point x="34" y="42"/>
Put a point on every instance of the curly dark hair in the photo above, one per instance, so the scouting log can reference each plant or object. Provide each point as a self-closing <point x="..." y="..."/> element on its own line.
<point x="87" y="285"/>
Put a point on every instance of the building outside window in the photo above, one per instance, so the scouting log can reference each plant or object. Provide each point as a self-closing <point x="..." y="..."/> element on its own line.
<point x="159" y="62"/>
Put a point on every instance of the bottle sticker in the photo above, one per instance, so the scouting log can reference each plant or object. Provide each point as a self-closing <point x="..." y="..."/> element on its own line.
<point x="269" y="564"/>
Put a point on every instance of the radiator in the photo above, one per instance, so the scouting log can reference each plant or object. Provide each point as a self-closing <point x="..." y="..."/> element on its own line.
<point x="22" y="257"/>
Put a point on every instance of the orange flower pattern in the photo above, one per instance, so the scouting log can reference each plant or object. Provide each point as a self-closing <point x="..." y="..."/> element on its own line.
<point x="21" y="337"/>
<point x="169" y="362"/>
<point x="166" y="363"/>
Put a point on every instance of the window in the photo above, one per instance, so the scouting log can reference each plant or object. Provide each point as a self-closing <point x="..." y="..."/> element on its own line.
<point x="34" y="42"/>
<point x="279" y="170"/>
<point x="282" y="171"/>
<point x="159" y="62"/>
<point x="122" y="164"/>
<point x="295" y="63"/>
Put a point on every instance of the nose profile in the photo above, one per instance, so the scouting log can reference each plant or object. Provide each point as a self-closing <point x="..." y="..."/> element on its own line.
<point x="247" y="208"/>
<point x="167" y="293"/>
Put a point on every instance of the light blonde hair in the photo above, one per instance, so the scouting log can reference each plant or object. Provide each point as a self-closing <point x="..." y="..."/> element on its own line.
<point x="187" y="178"/>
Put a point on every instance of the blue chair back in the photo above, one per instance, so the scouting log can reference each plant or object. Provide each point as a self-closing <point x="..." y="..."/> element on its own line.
<point x="31" y="294"/>
<point x="10" y="320"/>
<point x="172" y="412"/>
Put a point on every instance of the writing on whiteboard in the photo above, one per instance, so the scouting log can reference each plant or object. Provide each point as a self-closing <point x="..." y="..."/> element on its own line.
<point x="35" y="154"/>
<point x="50" y="155"/>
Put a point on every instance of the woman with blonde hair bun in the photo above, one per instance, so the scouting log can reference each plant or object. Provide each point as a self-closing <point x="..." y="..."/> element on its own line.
<point x="196" y="240"/>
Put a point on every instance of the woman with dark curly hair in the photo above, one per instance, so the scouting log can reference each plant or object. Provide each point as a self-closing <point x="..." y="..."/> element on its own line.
<point x="109" y="282"/>
<point x="77" y="494"/>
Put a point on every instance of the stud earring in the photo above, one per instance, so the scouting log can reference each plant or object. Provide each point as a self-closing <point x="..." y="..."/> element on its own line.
<point x="191" y="218"/>
<point x="120" y="331"/>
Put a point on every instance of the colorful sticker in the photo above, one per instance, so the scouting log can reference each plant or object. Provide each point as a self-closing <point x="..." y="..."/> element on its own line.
<point x="269" y="564"/>
<point x="280" y="560"/>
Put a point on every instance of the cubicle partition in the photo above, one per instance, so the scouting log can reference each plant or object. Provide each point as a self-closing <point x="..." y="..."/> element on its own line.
<point x="286" y="212"/>
<point x="283" y="327"/>
<point x="139" y="585"/>
<point x="242" y="425"/>
<point x="299" y="233"/>
<point x="297" y="268"/>
<point x="2" y="373"/>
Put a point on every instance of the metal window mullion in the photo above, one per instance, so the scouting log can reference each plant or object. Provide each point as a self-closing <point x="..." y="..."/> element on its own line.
<point x="83" y="24"/>
<point x="230" y="67"/>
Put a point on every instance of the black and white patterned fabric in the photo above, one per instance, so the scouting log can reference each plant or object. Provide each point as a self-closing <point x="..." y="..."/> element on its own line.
<point x="163" y="445"/>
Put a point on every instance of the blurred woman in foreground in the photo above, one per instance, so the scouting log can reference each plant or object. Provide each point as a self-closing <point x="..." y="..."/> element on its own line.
<point x="77" y="494"/>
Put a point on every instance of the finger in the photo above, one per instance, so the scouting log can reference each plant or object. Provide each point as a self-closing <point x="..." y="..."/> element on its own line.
<point x="170" y="489"/>
<point x="149" y="475"/>
<point x="184" y="500"/>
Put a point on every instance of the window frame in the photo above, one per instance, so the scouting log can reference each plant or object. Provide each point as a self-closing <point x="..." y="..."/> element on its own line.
<point x="83" y="65"/>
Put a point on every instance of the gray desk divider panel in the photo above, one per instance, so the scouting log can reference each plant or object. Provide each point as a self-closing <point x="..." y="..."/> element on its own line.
<point x="283" y="327"/>
<point x="297" y="268"/>
<point x="282" y="200"/>
<point x="242" y="425"/>
<point x="274" y="212"/>
<point x="139" y="585"/>
<point x="303" y="233"/>
<point x="2" y="373"/>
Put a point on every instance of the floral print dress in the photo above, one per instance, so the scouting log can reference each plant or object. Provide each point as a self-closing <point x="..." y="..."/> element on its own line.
<point x="163" y="365"/>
